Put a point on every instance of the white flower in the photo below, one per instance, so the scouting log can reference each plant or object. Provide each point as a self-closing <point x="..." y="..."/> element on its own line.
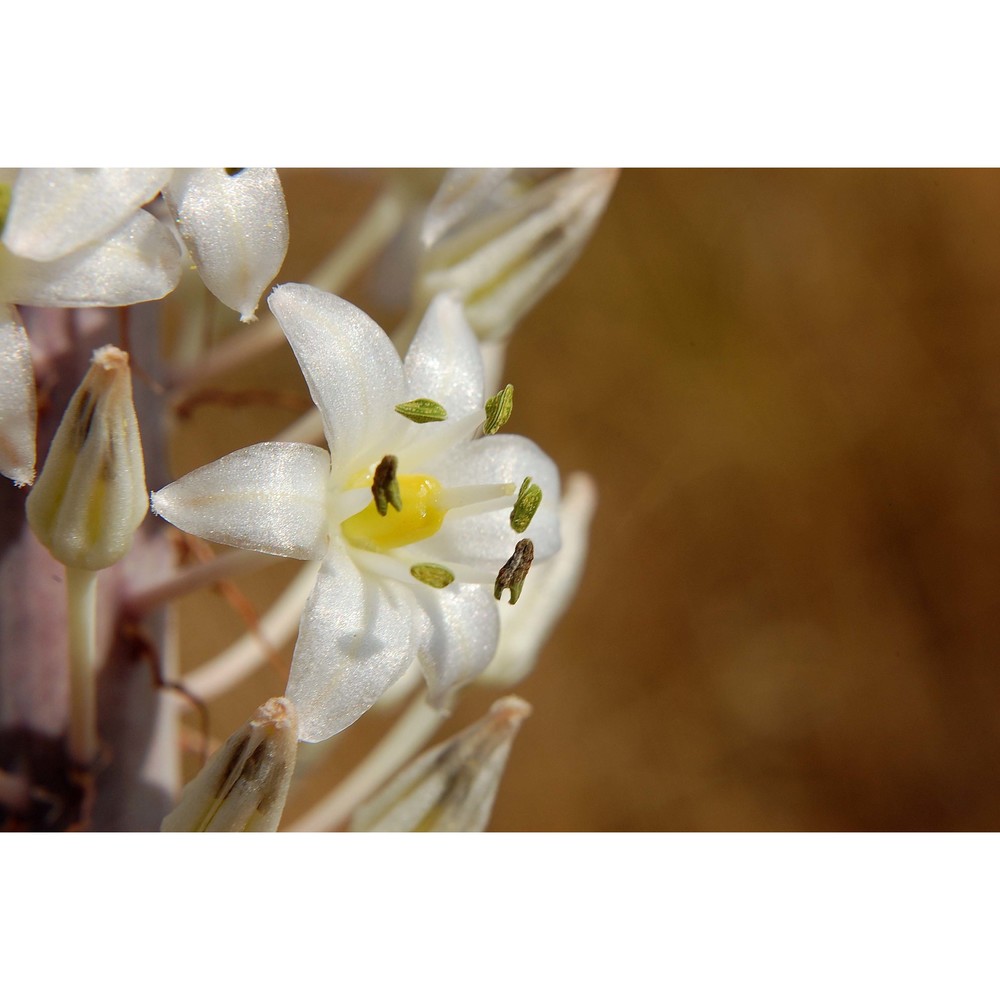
<point x="80" y="237"/>
<point x="70" y="238"/>
<point x="369" y="614"/>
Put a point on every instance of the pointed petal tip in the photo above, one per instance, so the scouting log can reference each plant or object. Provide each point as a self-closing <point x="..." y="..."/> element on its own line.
<point x="21" y="477"/>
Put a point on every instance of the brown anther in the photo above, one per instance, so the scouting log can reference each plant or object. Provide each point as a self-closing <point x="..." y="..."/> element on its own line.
<point x="515" y="569"/>
<point x="385" y="488"/>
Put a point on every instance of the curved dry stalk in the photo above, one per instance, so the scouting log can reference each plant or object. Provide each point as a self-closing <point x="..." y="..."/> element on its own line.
<point x="144" y="599"/>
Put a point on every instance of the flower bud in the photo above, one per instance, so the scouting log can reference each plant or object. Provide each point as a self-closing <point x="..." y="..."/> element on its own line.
<point x="91" y="493"/>
<point x="501" y="239"/>
<point x="451" y="787"/>
<point x="244" y="785"/>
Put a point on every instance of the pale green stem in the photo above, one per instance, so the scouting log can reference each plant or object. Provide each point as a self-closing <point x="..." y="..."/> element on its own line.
<point x="373" y="232"/>
<point x="142" y="600"/>
<point x="198" y="308"/>
<point x="406" y="738"/>
<point x="81" y="591"/>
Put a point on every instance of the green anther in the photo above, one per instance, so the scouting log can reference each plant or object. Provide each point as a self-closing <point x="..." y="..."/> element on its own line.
<point x="498" y="410"/>
<point x="432" y="574"/>
<point x="5" y="196"/>
<point x="528" y="499"/>
<point x="421" y="411"/>
<point x="385" y="488"/>
<point x="515" y="569"/>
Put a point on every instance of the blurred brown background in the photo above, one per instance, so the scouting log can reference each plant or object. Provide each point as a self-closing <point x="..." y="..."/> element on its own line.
<point x="785" y="384"/>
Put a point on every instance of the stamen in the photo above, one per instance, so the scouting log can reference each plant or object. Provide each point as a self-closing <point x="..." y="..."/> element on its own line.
<point x="422" y="411"/>
<point x="498" y="409"/>
<point x="432" y="574"/>
<point x="385" y="488"/>
<point x="528" y="499"/>
<point x="496" y="495"/>
<point x="511" y="576"/>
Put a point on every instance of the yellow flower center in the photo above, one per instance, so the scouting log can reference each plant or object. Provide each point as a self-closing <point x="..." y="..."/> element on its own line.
<point x="421" y="516"/>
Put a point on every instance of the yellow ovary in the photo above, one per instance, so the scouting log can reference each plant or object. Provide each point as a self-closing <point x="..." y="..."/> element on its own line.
<point x="420" y="517"/>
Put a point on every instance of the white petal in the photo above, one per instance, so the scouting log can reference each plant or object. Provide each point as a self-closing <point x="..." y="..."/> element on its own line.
<point x="443" y="362"/>
<point x="483" y="539"/>
<point x="358" y="635"/>
<point x="137" y="263"/>
<point x="18" y="412"/>
<point x="462" y="637"/>
<point x="269" y="497"/>
<point x="54" y="212"/>
<point x="236" y="229"/>
<point x="353" y="372"/>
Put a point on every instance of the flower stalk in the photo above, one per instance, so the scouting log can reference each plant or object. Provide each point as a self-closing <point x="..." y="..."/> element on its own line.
<point x="85" y="508"/>
<point x="82" y="738"/>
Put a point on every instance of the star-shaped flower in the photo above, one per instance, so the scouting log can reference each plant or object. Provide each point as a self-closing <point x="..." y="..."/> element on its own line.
<point x="411" y="571"/>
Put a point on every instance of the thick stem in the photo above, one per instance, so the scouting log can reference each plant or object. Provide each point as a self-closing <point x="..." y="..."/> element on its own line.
<point x="140" y="768"/>
<point x="406" y="738"/>
<point x="81" y="594"/>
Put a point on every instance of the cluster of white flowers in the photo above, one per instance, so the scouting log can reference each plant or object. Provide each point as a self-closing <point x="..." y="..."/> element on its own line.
<point x="73" y="238"/>
<point x="420" y="514"/>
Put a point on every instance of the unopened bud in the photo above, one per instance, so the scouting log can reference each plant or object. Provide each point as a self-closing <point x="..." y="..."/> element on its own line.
<point x="501" y="239"/>
<point x="91" y="493"/>
<point x="244" y="785"/>
<point x="451" y="787"/>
